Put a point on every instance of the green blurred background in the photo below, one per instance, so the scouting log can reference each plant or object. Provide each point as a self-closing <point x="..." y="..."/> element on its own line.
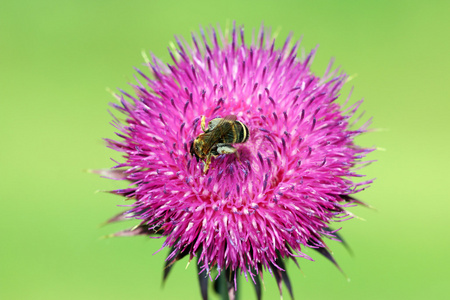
<point x="58" y="58"/>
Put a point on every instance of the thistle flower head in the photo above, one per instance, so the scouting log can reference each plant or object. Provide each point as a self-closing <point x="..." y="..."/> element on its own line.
<point x="272" y="198"/>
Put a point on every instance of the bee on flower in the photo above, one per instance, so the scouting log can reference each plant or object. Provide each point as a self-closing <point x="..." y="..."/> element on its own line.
<point x="238" y="156"/>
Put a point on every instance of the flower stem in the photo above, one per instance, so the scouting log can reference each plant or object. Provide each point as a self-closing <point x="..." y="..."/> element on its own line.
<point x="226" y="286"/>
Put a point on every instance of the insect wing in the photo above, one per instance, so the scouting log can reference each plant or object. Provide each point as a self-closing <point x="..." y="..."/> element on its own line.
<point x="220" y="131"/>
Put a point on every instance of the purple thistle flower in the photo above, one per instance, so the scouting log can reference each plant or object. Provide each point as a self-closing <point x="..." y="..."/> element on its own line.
<point x="281" y="189"/>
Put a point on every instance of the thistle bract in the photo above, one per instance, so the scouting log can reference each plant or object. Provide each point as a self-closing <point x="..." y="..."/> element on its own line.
<point x="249" y="211"/>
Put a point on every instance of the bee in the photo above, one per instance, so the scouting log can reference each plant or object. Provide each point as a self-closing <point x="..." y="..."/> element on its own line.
<point x="217" y="138"/>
